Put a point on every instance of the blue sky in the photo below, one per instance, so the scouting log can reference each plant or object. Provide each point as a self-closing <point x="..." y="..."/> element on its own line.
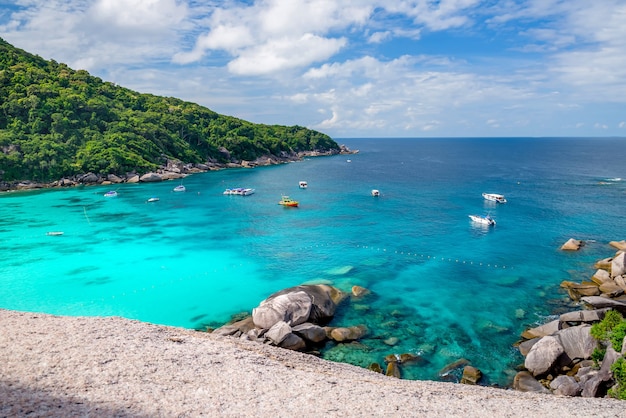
<point x="360" y="68"/>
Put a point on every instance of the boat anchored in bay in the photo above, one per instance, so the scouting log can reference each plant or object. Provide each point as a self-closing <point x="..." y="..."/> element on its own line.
<point x="288" y="202"/>
<point x="483" y="220"/>
<point x="494" y="197"/>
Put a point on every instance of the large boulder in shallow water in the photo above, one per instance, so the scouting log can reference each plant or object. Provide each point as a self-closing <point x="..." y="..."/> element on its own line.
<point x="292" y="308"/>
<point x="572" y="245"/>
<point x="297" y="305"/>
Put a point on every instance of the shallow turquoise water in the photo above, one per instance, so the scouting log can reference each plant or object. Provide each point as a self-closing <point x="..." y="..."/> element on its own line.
<point x="445" y="288"/>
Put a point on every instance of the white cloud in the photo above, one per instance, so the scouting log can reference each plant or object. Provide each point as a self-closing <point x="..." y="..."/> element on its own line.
<point x="378" y="37"/>
<point x="143" y="15"/>
<point x="270" y="36"/>
<point x="441" y="15"/>
<point x="280" y="54"/>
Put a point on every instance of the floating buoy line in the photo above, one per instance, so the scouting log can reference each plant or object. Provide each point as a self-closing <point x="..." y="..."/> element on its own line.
<point x="422" y="256"/>
<point x="226" y="269"/>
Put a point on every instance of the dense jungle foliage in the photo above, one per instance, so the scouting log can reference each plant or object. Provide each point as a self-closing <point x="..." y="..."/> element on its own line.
<point x="57" y="122"/>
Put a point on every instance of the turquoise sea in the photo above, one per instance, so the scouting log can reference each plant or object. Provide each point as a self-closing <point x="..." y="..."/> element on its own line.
<point x="443" y="287"/>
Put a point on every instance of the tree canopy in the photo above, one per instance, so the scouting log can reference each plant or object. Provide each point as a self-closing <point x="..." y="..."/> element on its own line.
<point x="57" y="122"/>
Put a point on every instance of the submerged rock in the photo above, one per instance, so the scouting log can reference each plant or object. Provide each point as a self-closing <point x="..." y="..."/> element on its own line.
<point x="453" y="366"/>
<point x="340" y="271"/>
<point x="358" y="291"/>
<point x="348" y="333"/>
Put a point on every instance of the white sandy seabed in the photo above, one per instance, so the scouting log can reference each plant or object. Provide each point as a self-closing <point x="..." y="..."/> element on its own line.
<point x="114" y="367"/>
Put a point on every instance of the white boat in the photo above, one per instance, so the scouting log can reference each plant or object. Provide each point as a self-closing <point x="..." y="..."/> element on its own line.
<point x="484" y="220"/>
<point x="240" y="191"/>
<point x="153" y="199"/>
<point x="180" y="188"/>
<point x="303" y="184"/>
<point x="111" y="193"/>
<point x="375" y="192"/>
<point x="54" y="233"/>
<point x="494" y="197"/>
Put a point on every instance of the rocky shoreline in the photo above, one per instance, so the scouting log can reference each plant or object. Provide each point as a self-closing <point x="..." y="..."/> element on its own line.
<point x="171" y="170"/>
<point x="561" y="357"/>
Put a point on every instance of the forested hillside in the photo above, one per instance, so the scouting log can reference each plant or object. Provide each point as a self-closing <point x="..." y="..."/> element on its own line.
<point x="56" y="122"/>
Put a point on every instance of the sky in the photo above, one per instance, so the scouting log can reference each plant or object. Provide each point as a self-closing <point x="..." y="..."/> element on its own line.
<point x="358" y="68"/>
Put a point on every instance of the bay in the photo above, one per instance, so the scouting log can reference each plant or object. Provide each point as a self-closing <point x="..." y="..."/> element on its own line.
<point x="442" y="287"/>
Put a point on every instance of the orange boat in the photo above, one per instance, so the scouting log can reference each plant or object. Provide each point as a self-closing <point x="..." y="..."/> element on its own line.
<point x="287" y="201"/>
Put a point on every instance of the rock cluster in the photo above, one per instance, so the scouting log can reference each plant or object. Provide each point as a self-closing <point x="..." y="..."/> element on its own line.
<point x="558" y="355"/>
<point x="172" y="169"/>
<point x="298" y="319"/>
<point x="295" y="318"/>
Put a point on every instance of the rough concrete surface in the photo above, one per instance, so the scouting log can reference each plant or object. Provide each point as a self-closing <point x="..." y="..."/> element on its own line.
<point x="114" y="367"/>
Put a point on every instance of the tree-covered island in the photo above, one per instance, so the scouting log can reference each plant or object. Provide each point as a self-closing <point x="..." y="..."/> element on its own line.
<point x="59" y="123"/>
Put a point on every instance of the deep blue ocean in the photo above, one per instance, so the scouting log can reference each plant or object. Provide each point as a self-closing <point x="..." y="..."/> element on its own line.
<point x="443" y="287"/>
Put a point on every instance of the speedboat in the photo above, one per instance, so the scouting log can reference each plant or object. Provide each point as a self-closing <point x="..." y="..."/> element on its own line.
<point x="287" y="201"/>
<point x="180" y="188"/>
<point x="494" y="197"/>
<point x="484" y="220"/>
<point x="54" y="233"/>
<point x="303" y="184"/>
<point x="153" y="199"/>
<point x="375" y="192"/>
<point x="111" y="193"/>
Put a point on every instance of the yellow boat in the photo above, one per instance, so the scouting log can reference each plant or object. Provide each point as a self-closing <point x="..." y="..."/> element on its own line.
<point x="287" y="201"/>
